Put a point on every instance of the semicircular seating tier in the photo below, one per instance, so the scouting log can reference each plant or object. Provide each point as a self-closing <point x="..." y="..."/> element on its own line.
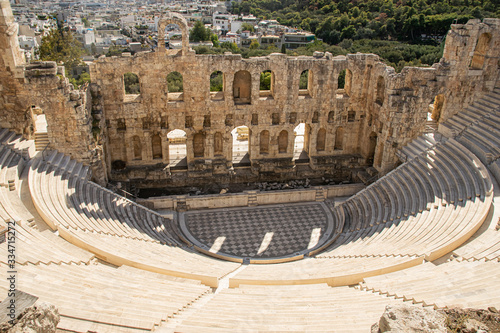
<point x="32" y="246"/>
<point x="102" y="298"/>
<point x="115" y="229"/>
<point x="464" y="284"/>
<point x="420" y="211"/>
<point x="425" y="208"/>
<point x="293" y="309"/>
<point x="478" y="128"/>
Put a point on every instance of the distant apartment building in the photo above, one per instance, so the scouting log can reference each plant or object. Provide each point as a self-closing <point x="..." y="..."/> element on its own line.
<point x="222" y="22"/>
<point x="270" y="40"/>
<point x="86" y="36"/>
<point x="293" y="40"/>
<point x="28" y="44"/>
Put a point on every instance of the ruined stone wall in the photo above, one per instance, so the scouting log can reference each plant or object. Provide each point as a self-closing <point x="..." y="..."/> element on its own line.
<point x="43" y="86"/>
<point x="363" y="125"/>
<point x="470" y="63"/>
<point x="13" y="114"/>
<point x="377" y="112"/>
<point x="348" y="130"/>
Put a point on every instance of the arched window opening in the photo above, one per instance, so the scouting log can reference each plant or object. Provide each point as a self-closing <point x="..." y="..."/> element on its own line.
<point x="305" y="84"/>
<point x="241" y="142"/>
<point x="275" y="118"/>
<point x="137" y="147"/>
<point x="175" y="84"/>
<point x="131" y="84"/>
<point x="177" y="149"/>
<point x="434" y="113"/>
<point x="320" y="140"/>
<point x="156" y="147"/>
<point x="480" y="51"/>
<point x="255" y="119"/>
<point x="351" y="116"/>
<point x="331" y="116"/>
<point x="264" y="142"/>
<point x="242" y="87"/>
<point x="315" y="118"/>
<point x="339" y="139"/>
<point x="266" y="84"/>
<point x="218" y="144"/>
<point x="217" y="86"/>
<point x="380" y="91"/>
<point x="283" y="142"/>
<point x="341" y="81"/>
<point x="121" y="124"/>
<point x="199" y="145"/>
<point x="301" y="143"/>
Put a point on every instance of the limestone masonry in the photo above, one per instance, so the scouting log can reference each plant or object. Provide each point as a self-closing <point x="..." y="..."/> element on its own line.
<point x="349" y="132"/>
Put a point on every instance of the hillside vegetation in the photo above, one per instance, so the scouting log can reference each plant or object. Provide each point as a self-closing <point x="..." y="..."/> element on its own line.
<point x="402" y="33"/>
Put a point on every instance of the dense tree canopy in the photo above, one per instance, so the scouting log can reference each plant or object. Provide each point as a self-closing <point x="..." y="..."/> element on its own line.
<point x="60" y="46"/>
<point x="199" y="33"/>
<point x="336" y="20"/>
<point x="394" y="53"/>
<point x="265" y="80"/>
<point x="175" y="82"/>
<point x="131" y="82"/>
<point x="216" y="81"/>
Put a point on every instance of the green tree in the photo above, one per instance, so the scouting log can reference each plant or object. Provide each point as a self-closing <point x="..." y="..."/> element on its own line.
<point x="114" y="51"/>
<point x="283" y="48"/>
<point x="215" y="40"/>
<point x="341" y="80"/>
<point x="216" y="81"/>
<point x="304" y="80"/>
<point x="232" y="47"/>
<point x="60" y="46"/>
<point x="81" y="79"/>
<point x="199" y="33"/>
<point x="131" y="82"/>
<point x="247" y="26"/>
<point x="265" y="80"/>
<point x="86" y="22"/>
<point x="175" y="82"/>
<point x="254" y="45"/>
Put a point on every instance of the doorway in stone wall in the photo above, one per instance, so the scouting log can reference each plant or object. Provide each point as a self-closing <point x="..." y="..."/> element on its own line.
<point x="372" y="142"/>
<point x="177" y="151"/>
<point x="241" y="142"/>
<point x="301" y="143"/>
<point x="39" y="128"/>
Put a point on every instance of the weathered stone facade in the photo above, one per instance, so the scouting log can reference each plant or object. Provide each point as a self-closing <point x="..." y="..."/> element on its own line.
<point x="42" y="85"/>
<point x="347" y="130"/>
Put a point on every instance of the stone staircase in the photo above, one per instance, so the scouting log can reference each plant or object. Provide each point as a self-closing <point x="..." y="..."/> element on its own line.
<point x="41" y="140"/>
<point x="417" y="147"/>
<point x="41" y="137"/>
<point x="431" y="126"/>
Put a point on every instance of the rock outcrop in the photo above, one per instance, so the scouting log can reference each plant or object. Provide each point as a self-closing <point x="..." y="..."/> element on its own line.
<point x="409" y="318"/>
<point x="38" y="318"/>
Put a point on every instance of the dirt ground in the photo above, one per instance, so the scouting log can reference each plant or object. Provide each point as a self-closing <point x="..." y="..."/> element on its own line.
<point x="473" y="320"/>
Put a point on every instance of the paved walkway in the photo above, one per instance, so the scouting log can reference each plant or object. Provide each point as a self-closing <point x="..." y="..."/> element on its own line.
<point x="259" y="232"/>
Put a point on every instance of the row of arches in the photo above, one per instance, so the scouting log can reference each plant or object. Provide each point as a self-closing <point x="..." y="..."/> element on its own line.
<point x="242" y="84"/>
<point x="241" y="136"/>
<point x="131" y="84"/>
